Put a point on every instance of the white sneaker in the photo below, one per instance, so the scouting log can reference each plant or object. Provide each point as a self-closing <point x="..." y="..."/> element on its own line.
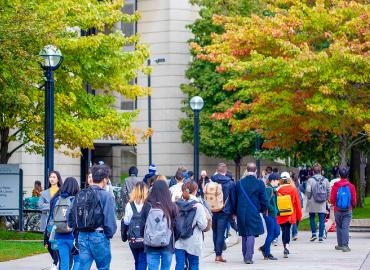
<point x="54" y="267"/>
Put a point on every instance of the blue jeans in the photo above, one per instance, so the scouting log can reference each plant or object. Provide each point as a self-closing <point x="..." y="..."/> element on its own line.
<point x="273" y="232"/>
<point x="94" y="246"/>
<point x="65" y="247"/>
<point x="219" y="223"/>
<point x="140" y="258"/>
<point x="156" y="258"/>
<point x="181" y="256"/>
<point x="321" y="224"/>
<point x="295" y="229"/>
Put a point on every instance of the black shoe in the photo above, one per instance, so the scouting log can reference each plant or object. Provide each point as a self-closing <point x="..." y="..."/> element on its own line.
<point x="313" y="238"/>
<point x="248" y="261"/>
<point x="270" y="257"/>
<point x="262" y="251"/>
<point x="286" y="252"/>
<point x="224" y="247"/>
<point x="321" y="240"/>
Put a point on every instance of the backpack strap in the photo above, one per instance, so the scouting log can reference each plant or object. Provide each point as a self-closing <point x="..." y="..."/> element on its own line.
<point x="247" y="197"/>
<point x="134" y="209"/>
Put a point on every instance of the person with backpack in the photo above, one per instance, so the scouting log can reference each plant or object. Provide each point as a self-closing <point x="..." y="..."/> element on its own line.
<point x="289" y="207"/>
<point x="251" y="201"/>
<point x="152" y="172"/>
<point x="159" y="215"/>
<point x="272" y="227"/>
<point x="343" y="197"/>
<point x="317" y="192"/>
<point x="129" y="184"/>
<point x="219" y="194"/>
<point x="93" y="216"/>
<point x="176" y="190"/>
<point x="133" y="221"/>
<point x="191" y="221"/>
<point x="44" y="203"/>
<point x="64" y="235"/>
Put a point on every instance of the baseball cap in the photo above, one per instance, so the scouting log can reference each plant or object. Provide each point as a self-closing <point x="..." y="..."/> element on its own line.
<point x="285" y="175"/>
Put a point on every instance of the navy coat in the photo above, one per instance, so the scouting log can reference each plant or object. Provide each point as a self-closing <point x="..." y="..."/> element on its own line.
<point x="249" y="220"/>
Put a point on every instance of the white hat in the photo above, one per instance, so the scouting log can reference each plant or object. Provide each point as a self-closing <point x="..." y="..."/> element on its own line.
<point x="285" y="175"/>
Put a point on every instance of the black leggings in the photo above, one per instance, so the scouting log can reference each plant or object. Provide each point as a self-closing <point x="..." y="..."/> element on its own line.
<point x="285" y="232"/>
<point x="54" y="254"/>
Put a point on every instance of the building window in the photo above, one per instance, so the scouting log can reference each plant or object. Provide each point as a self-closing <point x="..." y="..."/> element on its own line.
<point x="128" y="29"/>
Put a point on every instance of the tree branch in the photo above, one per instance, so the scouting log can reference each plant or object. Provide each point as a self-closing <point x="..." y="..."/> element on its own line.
<point x="357" y="141"/>
<point x="18" y="147"/>
<point x="15" y="133"/>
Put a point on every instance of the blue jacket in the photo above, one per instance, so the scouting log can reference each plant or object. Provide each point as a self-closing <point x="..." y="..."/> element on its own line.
<point x="248" y="218"/>
<point x="228" y="190"/>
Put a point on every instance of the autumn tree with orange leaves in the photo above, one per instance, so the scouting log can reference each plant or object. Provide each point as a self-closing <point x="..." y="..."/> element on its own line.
<point x="306" y="67"/>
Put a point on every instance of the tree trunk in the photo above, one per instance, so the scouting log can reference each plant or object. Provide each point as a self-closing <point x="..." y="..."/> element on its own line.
<point x="367" y="176"/>
<point x="4" y="145"/>
<point x="237" y="161"/>
<point x="355" y="175"/>
<point x="343" y="150"/>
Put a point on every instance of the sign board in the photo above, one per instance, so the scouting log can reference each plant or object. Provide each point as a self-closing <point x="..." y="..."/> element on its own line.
<point x="10" y="190"/>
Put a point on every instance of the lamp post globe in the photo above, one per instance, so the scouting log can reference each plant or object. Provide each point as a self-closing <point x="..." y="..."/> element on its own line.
<point x="52" y="57"/>
<point x="196" y="103"/>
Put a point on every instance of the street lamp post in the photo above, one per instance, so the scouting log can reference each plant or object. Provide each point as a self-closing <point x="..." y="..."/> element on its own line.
<point x="196" y="104"/>
<point x="52" y="60"/>
<point x="149" y="62"/>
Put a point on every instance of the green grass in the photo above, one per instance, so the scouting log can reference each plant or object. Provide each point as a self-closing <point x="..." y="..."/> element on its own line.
<point x="13" y="235"/>
<point x="10" y="250"/>
<point x="357" y="213"/>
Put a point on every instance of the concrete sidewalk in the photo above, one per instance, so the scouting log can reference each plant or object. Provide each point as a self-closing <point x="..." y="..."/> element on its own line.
<point x="304" y="256"/>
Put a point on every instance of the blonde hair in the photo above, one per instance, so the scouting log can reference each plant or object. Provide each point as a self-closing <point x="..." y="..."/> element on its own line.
<point x="139" y="193"/>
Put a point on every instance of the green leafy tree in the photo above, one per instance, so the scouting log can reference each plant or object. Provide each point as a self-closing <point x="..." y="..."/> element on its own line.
<point x="216" y="138"/>
<point x="301" y="72"/>
<point x="99" y="60"/>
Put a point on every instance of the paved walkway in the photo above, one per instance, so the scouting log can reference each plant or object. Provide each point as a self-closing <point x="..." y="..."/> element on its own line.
<point x="304" y="256"/>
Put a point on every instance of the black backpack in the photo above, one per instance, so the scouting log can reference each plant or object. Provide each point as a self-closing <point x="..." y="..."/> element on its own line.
<point x="184" y="220"/>
<point x="135" y="229"/>
<point x="88" y="212"/>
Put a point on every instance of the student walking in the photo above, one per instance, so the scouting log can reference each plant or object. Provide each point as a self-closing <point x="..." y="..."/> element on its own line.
<point x="343" y="197"/>
<point x="135" y="224"/>
<point x="251" y="201"/>
<point x="273" y="228"/>
<point x="289" y="207"/>
<point x="158" y="215"/>
<point x="55" y="182"/>
<point x="220" y="196"/>
<point x="65" y="237"/>
<point x="176" y="190"/>
<point x="317" y="192"/>
<point x="92" y="214"/>
<point x="190" y="224"/>
<point x="129" y="184"/>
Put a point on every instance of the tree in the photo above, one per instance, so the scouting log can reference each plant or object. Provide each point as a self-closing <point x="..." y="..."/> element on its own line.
<point x="216" y="139"/>
<point x="99" y="60"/>
<point x="302" y="72"/>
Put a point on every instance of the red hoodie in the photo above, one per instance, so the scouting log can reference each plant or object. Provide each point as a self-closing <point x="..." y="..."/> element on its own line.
<point x="334" y="191"/>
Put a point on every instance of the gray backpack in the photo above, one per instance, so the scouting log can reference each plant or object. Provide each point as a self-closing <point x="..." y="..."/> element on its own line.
<point x="319" y="191"/>
<point x="157" y="232"/>
<point x="60" y="214"/>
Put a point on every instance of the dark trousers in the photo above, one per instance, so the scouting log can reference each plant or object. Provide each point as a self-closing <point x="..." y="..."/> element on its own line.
<point x="343" y="220"/>
<point x="140" y="258"/>
<point x="182" y="256"/>
<point x="285" y="233"/>
<point x="321" y="224"/>
<point x="273" y="232"/>
<point x="248" y="247"/>
<point x="219" y="223"/>
<point x="54" y="254"/>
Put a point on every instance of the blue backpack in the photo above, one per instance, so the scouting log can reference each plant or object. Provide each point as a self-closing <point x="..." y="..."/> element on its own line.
<point x="344" y="198"/>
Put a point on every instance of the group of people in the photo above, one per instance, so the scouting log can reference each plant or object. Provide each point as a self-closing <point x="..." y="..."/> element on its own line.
<point x="165" y="217"/>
